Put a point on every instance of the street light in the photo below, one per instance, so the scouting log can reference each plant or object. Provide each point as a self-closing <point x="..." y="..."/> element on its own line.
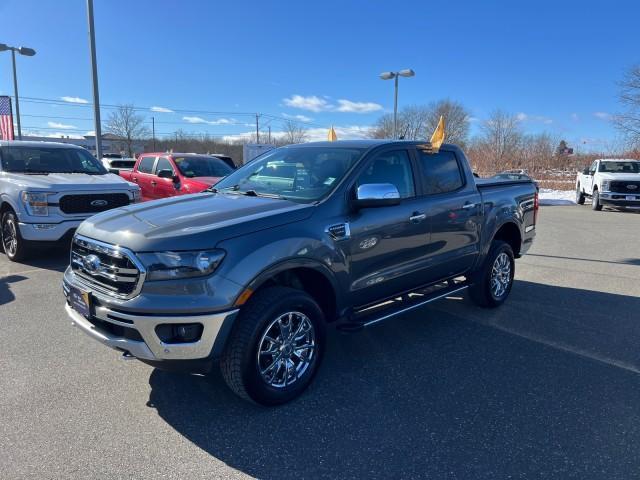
<point x="407" y="72"/>
<point x="27" y="52"/>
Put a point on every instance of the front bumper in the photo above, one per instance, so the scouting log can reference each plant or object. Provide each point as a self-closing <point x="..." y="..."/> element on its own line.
<point x="620" y="199"/>
<point x="47" y="232"/>
<point x="136" y="334"/>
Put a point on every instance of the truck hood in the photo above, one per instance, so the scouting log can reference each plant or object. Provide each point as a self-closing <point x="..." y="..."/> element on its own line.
<point x="623" y="177"/>
<point x="190" y="222"/>
<point x="65" y="182"/>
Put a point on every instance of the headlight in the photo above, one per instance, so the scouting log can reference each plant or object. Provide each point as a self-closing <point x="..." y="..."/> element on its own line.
<point x="36" y="203"/>
<point x="137" y="196"/>
<point x="169" y="265"/>
<point x="605" y="185"/>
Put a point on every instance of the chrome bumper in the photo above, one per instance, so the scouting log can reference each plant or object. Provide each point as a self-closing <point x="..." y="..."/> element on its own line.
<point x="152" y="348"/>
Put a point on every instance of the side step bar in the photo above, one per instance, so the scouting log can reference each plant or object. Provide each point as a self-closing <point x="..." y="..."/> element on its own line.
<point x="404" y="305"/>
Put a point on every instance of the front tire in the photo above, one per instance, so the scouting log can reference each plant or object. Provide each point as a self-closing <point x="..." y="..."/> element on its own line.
<point x="15" y="247"/>
<point x="491" y="283"/>
<point x="276" y="346"/>
<point x="595" y="201"/>
<point x="579" y="195"/>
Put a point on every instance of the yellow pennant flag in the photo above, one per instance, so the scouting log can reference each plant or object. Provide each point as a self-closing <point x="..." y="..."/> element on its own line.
<point x="332" y="137"/>
<point x="438" y="135"/>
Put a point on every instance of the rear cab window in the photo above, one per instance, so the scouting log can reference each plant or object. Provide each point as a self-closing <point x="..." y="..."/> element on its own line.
<point x="441" y="172"/>
<point x="146" y="164"/>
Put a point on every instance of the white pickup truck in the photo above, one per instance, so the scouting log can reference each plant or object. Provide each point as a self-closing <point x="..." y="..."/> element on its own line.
<point x="47" y="189"/>
<point x="610" y="181"/>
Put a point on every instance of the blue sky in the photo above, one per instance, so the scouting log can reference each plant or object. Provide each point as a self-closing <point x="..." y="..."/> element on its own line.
<point x="556" y="63"/>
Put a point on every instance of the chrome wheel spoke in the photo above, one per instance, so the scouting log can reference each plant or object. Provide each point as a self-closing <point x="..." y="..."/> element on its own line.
<point x="500" y="275"/>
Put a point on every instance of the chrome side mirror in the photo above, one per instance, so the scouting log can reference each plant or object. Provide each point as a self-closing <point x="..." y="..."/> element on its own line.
<point x="377" y="195"/>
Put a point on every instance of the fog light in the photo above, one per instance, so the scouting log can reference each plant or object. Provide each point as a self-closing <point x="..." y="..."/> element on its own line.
<point x="44" y="226"/>
<point x="179" y="332"/>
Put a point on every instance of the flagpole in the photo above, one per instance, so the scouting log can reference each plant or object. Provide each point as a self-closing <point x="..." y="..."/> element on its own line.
<point x="94" y="77"/>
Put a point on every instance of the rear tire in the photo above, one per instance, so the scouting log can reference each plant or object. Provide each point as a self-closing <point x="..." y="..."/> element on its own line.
<point x="579" y="195"/>
<point x="595" y="201"/>
<point x="15" y="247"/>
<point x="276" y="346"/>
<point x="491" y="283"/>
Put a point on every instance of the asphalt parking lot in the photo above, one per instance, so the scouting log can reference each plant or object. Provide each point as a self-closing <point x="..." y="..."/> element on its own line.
<point x="548" y="386"/>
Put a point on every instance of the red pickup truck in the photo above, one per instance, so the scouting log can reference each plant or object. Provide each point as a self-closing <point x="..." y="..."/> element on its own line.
<point x="161" y="175"/>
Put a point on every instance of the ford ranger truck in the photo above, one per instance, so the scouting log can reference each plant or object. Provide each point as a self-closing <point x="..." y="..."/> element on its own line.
<point x="614" y="182"/>
<point x="162" y="175"/>
<point x="250" y="274"/>
<point x="47" y="189"/>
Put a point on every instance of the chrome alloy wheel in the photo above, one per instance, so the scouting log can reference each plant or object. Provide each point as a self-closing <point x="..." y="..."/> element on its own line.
<point x="500" y="275"/>
<point x="10" y="237"/>
<point x="286" y="349"/>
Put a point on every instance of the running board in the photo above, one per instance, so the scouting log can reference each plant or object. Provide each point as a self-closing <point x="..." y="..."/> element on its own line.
<point x="402" y="305"/>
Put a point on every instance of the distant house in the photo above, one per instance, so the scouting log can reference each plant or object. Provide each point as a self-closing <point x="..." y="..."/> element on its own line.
<point x="110" y="143"/>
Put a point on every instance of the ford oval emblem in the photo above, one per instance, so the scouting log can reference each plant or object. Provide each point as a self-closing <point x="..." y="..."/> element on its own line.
<point x="91" y="263"/>
<point x="99" y="203"/>
<point x="632" y="187"/>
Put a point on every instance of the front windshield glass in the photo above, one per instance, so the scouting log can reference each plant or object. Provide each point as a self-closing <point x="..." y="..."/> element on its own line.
<point x="202" y="166"/>
<point x="44" y="160"/>
<point x="303" y="174"/>
<point x="619" y="167"/>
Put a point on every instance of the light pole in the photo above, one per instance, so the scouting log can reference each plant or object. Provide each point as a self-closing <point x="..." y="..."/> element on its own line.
<point x="94" y="78"/>
<point x="407" y="72"/>
<point x="28" y="52"/>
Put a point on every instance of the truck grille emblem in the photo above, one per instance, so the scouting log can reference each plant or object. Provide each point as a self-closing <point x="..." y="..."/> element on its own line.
<point x="632" y="187"/>
<point x="99" y="203"/>
<point x="91" y="263"/>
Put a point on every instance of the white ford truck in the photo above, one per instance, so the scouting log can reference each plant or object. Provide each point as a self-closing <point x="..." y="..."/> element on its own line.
<point x="610" y="181"/>
<point x="47" y="189"/>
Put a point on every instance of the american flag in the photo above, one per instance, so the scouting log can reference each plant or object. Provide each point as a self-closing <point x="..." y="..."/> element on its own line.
<point x="6" y="119"/>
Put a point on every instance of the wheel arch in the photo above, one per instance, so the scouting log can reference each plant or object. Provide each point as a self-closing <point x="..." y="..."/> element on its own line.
<point x="509" y="232"/>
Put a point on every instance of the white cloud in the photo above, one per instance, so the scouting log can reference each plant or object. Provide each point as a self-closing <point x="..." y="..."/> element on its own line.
<point x="311" y="103"/>
<point x="62" y="126"/>
<point x="523" y="117"/>
<point x="74" y="100"/>
<point x="302" y="118"/>
<point x="358" y="107"/>
<point x="602" y="115"/>
<point x="161" y="109"/>
<point x="221" y="121"/>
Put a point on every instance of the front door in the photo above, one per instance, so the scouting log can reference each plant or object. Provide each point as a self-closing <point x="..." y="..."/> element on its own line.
<point x="386" y="243"/>
<point x="144" y="176"/>
<point x="165" y="187"/>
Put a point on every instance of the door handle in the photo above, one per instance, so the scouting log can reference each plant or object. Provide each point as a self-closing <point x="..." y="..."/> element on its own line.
<point x="467" y="206"/>
<point x="417" y="217"/>
<point x="135" y="179"/>
<point x="153" y="183"/>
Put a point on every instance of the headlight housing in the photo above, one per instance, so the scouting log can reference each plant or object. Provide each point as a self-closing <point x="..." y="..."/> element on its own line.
<point x="175" y="265"/>
<point x="606" y="184"/>
<point x="36" y="203"/>
<point x="137" y="196"/>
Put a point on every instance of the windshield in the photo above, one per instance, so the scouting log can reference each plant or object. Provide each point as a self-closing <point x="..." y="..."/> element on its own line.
<point x="44" y="160"/>
<point x="203" y="166"/>
<point x="303" y="174"/>
<point x="619" y="167"/>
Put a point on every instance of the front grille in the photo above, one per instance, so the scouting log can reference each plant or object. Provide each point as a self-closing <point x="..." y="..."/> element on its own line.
<point x="620" y="186"/>
<point x="106" y="268"/>
<point x="93" y="203"/>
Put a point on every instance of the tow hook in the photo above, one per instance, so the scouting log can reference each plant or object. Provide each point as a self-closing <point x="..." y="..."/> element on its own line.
<point x="127" y="356"/>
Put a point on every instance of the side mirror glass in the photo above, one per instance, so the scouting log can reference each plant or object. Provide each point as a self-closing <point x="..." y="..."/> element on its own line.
<point x="377" y="195"/>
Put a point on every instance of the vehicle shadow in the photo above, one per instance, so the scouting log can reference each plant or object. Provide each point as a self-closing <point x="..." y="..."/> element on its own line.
<point x="626" y="261"/>
<point x="6" y="295"/>
<point x="55" y="258"/>
<point x="429" y="395"/>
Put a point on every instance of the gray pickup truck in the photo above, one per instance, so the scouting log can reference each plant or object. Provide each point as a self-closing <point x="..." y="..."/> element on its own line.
<point x="251" y="273"/>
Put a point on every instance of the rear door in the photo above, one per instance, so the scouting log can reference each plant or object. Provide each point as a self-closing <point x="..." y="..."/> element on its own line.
<point x="454" y="212"/>
<point x="387" y="243"/>
<point x="144" y="176"/>
<point x="165" y="187"/>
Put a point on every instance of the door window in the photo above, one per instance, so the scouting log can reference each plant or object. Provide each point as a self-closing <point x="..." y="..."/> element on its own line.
<point x="146" y="164"/>
<point x="163" y="164"/>
<point x="391" y="167"/>
<point x="441" y="172"/>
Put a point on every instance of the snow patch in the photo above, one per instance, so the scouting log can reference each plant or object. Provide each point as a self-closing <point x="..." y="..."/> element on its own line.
<point x="549" y="196"/>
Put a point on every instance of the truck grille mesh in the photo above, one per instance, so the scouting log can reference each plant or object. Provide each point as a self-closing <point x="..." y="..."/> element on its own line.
<point x="620" y="186"/>
<point x="106" y="268"/>
<point x="93" y="203"/>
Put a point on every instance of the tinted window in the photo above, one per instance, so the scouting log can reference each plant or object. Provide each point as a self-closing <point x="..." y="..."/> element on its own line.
<point x="146" y="164"/>
<point x="46" y="160"/>
<point x="620" y="167"/>
<point x="204" y="166"/>
<point x="441" y="172"/>
<point x="391" y="167"/>
<point x="163" y="164"/>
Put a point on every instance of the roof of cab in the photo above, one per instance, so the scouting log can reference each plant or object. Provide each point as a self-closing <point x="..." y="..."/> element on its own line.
<point x="367" y="143"/>
<point x="26" y="143"/>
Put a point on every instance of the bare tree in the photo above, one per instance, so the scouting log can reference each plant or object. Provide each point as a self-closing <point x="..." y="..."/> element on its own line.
<point x="502" y="137"/>
<point x="411" y="124"/>
<point x="293" y="133"/>
<point x="456" y="118"/>
<point x="628" y="121"/>
<point x="127" y="125"/>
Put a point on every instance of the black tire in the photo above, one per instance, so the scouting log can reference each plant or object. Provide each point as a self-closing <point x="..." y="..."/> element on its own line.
<point x="15" y="247"/>
<point x="579" y="195"/>
<point x="481" y="291"/>
<point x="595" y="201"/>
<point x="240" y="360"/>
